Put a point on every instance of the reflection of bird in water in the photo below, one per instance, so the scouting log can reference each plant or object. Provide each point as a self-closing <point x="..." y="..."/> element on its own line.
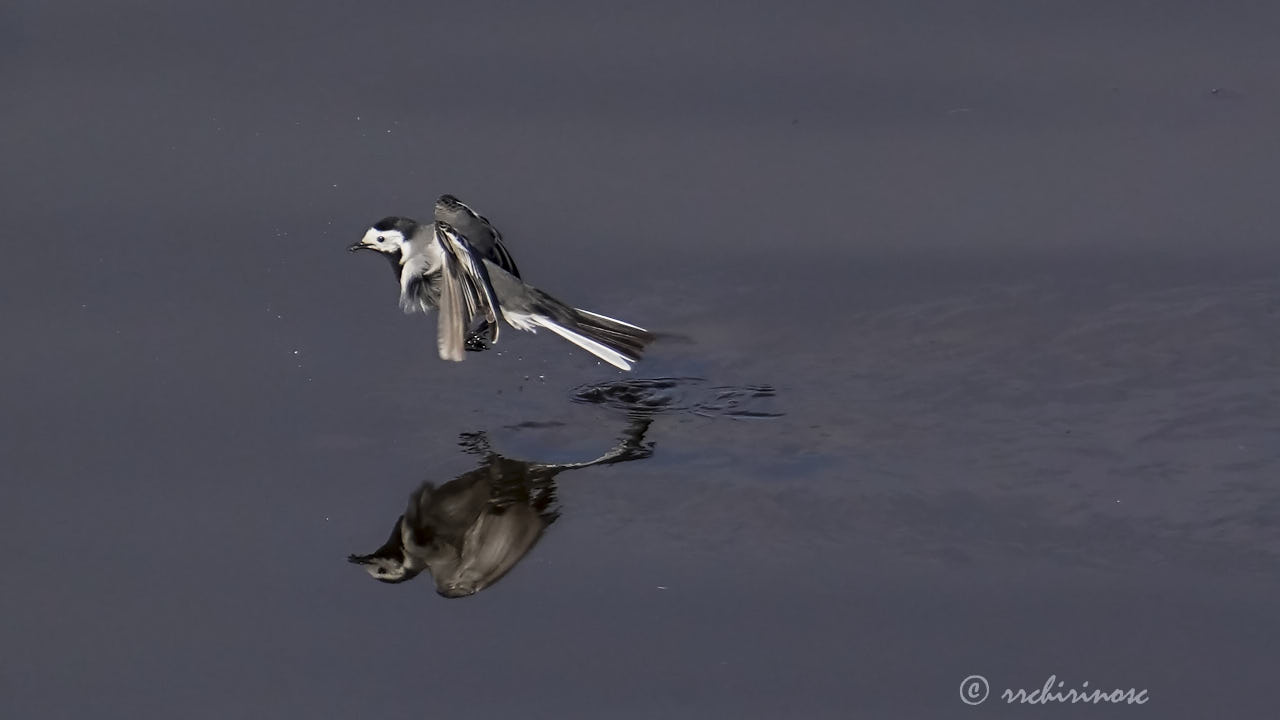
<point x="470" y="531"/>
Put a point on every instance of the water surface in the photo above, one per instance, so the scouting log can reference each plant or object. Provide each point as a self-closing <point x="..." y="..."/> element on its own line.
<point x="979" y="377"/>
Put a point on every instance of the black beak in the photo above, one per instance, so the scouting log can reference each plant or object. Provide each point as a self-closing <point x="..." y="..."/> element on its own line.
<point x="359" y="246"/>
<point x="358" y="559"/>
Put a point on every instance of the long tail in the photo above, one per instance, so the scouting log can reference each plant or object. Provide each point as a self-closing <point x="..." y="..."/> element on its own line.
<point x="618" y="343"/>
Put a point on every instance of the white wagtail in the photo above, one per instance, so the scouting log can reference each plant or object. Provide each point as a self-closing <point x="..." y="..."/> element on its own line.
<point x="460" y="265"/>
<point x="472" y="530"/>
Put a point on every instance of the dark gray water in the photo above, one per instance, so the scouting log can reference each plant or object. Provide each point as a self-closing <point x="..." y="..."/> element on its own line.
<point x="981" y="379"/>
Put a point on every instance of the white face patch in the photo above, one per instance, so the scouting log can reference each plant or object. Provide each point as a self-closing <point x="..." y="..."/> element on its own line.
<point x="385" y="241"/>
<point x="385" y="569"/>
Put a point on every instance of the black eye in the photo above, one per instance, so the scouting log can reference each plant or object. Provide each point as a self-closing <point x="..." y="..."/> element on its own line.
<point x="382" y="238"/>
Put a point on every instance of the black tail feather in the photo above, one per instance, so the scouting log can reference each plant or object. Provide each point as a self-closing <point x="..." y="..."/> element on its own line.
<point x="620" y="337"/>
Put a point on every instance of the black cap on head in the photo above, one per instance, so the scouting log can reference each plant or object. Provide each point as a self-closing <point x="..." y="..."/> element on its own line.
<point x="402" y="224"/>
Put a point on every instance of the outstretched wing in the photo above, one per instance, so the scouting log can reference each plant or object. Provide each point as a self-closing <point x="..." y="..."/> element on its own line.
<point x="482" y="234"/>
<point x="466" y="292"/>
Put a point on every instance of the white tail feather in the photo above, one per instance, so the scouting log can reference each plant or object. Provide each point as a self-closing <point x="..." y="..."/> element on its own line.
<point x="588" y="313"/>
<point x="612" y="357"/>
<point x="531" y="323"/>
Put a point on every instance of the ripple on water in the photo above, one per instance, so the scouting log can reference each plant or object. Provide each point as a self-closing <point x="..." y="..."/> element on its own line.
<point x="652" y="396"/>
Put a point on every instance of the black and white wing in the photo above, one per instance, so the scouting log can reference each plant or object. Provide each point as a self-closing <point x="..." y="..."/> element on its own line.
<point x="466" y="293"/>
<point x="482" y="234"/>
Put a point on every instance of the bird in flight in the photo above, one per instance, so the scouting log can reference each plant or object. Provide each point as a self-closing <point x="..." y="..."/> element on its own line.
<point x="459" y="264"/>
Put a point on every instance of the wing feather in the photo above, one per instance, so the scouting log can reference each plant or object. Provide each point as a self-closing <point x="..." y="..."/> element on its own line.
<point x="454" y="318"/>
<point x="479" y="231"/>
<point x="466" y="287"/>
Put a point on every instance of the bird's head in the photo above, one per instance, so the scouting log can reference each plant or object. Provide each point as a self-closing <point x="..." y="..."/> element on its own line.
<point x="383" y="569"/>
<point x="388" y="236"/>
<point x="388" y="563"/>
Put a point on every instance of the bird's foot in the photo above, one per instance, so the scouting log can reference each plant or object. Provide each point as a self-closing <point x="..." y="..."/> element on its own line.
<point x="479" y="339"/>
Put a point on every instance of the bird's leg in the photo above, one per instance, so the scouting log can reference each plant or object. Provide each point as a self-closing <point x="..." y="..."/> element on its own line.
<point x="476" y="338"/>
